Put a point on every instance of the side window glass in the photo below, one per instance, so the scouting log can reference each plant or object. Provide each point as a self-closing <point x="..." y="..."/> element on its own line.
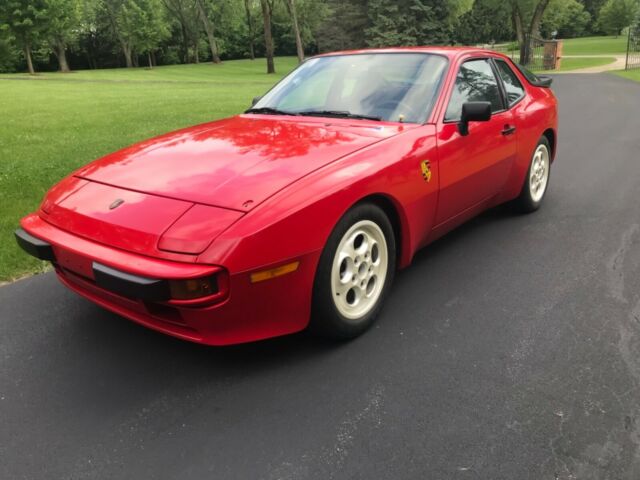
<point x="475" y="83"/>
<point x="515" y="90"/>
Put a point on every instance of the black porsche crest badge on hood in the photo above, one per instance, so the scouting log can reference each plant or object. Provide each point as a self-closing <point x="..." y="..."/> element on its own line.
<point x="116" y="203"/>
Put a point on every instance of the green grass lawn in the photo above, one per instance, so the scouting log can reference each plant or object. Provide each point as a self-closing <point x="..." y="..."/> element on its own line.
<point x="595" y="45"/>
<point x="630" y="74"/>
<point x="58" y="122"/>
<point x="235" y="71"/>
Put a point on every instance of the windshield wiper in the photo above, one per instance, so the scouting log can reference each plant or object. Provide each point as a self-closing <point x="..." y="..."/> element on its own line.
<point x="338" y="114"/>
<point x="269" y="111"/>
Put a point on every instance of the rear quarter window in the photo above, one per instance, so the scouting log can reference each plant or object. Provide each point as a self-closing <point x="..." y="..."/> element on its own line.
<point x="535" y="80"/>
<point x="513" y="87"/>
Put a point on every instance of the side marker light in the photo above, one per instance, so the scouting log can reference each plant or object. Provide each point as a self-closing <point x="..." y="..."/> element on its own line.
<point x="263" y="275"/>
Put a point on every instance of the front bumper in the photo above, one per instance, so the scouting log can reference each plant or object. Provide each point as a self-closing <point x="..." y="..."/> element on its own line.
<point x="107" y="278"/>
<point x="134" y="286"/>
<point x="34" y="246"/>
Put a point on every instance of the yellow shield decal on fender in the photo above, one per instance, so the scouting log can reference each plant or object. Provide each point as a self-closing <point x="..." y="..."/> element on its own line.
<point x="425" y="166"/>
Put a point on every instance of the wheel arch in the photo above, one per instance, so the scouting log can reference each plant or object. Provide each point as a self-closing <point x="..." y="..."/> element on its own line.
<point x="550" y="135"/>
<point x="394" y="211"/>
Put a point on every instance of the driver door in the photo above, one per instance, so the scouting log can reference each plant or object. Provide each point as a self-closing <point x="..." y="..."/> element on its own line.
<point x="474" y="167"/>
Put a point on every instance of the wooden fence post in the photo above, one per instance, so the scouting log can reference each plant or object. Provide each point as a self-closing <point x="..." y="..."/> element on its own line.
<point x="559" y="48"/>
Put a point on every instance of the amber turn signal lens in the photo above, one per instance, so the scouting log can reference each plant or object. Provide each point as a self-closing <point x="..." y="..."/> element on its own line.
<point x="274" y="272"/>
<point x="192" y="288"/>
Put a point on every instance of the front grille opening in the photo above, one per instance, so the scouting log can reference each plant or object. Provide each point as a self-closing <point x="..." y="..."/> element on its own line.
<point x="165" y="313"/>
<point x="73" y="275"/>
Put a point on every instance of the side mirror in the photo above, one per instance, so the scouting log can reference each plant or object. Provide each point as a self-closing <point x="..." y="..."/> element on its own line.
<point x="255" y="100"/>
<point x="473" y="112"/>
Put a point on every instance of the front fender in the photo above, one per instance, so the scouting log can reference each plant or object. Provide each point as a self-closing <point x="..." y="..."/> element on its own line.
<point x="299" y="219"/>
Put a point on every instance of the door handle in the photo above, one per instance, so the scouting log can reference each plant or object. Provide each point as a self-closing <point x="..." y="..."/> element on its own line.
<point x="508" y="130"/>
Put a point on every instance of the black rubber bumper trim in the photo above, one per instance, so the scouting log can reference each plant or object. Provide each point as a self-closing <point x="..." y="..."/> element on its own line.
<point x="129" y="285"/>
<point x="34" y="246"/>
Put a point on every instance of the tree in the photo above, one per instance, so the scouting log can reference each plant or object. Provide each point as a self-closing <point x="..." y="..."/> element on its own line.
<point x="484" y="24"/>
<point x="456" y="9"/>
<point x="148" y="24"/>
<point x="94" y="34"/>
<point x="616" y="15"/>
<point x="568" y="18"/>
<point x="250" y="28"/>
<point x="139" y="26"/>
<point x="9" y="54"/>
<point x="113" y="10"/>
<point x="593" y="8"/>
<point x="310" y="15"/>
<point x="408" y="22"/>
<point x="521" y="11"/>
<point x="185" y="13"/>
<point x="210" y="29"/>
<point x="228" y="17"/>
<point x="291" y="7"/>
<point x="61" y="29"/>
<point x="267" y="11"/>
<point x="344" y="26"/>
<point x="25" y="20"/>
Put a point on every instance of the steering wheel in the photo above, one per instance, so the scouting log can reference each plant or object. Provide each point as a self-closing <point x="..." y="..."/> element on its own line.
<point x="408" y="110"/>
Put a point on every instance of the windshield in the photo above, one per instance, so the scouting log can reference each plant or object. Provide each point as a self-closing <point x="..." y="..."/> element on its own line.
<point x="396" y="87"/>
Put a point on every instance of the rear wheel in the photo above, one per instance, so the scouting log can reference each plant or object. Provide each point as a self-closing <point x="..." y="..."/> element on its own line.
<point x="537" y="179"/>
<point x="355" y="272"/>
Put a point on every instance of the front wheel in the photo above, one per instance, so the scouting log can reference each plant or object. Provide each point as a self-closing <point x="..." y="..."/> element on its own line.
<point x="537" y="179"/>
<point x="354" y="274"/>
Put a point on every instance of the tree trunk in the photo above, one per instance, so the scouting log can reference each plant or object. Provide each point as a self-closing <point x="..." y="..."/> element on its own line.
<point x="27" y="55"/>
<point x="518" y="27"/>
<point x="60" y="51"/>
<point x="291" y="6"/>
<point x="536" y="19"/>
<point x="526" y="47"/>
<point x="268" y="38"/>
<point x="516" y="20"/>
<point x="247" y="9"/>
<point x="196" y="53"/>
<point x="177" y="11"/>
<point x="149" y="59"/>
<point x="185" y="44"/>
<point x="153" y="59"/>
<point x="126" y="49"/>
<point x="208" y="27"/>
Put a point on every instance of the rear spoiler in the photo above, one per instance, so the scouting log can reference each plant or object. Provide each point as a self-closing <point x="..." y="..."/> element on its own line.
<point x="544" y="81"/>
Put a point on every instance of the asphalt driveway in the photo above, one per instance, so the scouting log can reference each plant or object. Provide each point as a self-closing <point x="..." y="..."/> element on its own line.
<point x="509" y="350"/>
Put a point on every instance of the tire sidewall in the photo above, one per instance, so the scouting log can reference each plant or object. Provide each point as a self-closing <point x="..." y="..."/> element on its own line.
<point x="525" y="200"/>
<point x="326" y="319"/>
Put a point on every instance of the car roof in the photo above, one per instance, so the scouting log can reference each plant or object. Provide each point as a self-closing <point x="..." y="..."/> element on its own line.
<point x="449" y="52"/>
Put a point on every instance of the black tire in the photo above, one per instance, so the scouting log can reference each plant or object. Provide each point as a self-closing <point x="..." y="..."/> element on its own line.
<point x="326" y="319"/>
<point x="525" y="203"/>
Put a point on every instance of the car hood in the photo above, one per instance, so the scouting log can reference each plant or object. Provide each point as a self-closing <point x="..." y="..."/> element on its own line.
<point x="235" y="163"/>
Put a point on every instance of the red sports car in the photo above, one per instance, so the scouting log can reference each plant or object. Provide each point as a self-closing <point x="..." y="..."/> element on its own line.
<point x="298" y="212"/>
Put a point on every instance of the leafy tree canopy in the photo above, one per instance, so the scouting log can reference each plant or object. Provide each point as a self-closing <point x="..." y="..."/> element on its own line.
<point x="49" y="34"/>
<point x="615" y="15"/>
